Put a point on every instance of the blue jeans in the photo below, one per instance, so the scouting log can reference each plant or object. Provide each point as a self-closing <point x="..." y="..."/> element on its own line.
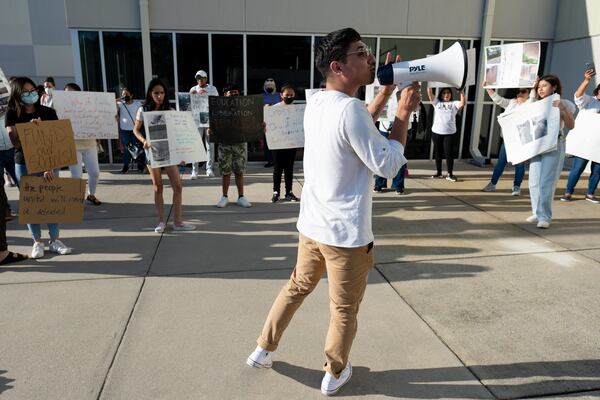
<point x="579" y="165"/>
<point x="35" y="229"/>
<point x="501" y="164"/>
<point x="398" y="181"/>
<point x="544" y="171"/>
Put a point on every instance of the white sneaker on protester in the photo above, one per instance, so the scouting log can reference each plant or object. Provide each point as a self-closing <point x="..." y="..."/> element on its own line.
<point x="183" y="227"/>
<point x="223" y="201"/>
<point x="516" y="191"/>
<point x="543" y="224"/>
<point x="330" y="385"/>
<point x="210" y="173"/>
<point x="194" y="175"/>
<point x="160" y="228"/>
<point x="531" y="218"/>
<point x="56" y="246"/>
<point x="490" y="187"/>
<point x="37" y="251"/>
<point x="243" y="202"/>
<point x="260" y="358"/>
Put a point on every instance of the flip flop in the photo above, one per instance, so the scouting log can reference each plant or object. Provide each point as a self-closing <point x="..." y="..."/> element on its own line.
<point x="13" y="257"/>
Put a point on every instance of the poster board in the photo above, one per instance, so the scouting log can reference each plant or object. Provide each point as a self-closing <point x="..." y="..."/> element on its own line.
<point x="197" y="103"/>
<point x="310" y="92"/>
<point x="236" y="119"/>
<point x="92" y="114"/>
<point x="584" y="140"/>
<point x="5" y="142"/>
<point x="531" y="129"/>
<point x="47" y="145"/>
<point x="183" y="101"/>
<point x="512" y="65"/>
<point x="471" y="71"/>
<point x="389" y="110"/>
<point x="285" y="126"/>
<point x="50" y="202"/>
<point x="173" y="138"/>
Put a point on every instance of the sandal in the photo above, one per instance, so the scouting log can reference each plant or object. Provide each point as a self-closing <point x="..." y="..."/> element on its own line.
<point x="92" y="199"/>
<point x="13" y="258"/>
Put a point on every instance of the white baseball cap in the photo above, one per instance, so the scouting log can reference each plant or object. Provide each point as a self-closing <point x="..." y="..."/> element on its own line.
<point x="201" y="74"/>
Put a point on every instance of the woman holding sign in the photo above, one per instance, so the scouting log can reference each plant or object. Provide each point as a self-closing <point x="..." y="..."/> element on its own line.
<point x="156" y="101"/>
<point x="24" y="106"/>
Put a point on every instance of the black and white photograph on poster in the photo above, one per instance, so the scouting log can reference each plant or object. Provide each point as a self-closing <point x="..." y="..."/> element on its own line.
<point x="157" y="128"/>
<point x="160" y="150"/>
<point x="525" y="132"/>
<point x="512" y="65"/>
<point x="183" y="101"/>
<point x="540" y="126"/>
<point x="236" y="119"/>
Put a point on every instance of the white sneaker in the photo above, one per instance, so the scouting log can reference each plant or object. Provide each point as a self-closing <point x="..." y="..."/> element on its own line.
<point x="194" y="175"/>
<point x="543" y="224"/>
<point x="223" y="201"/>
<point x="243" y="202"/>
<point x="56" y="246"/>
<point x="37" y="251"/>
<point x="330" y="385"/>
<point x="516" y="191"/>
<point x="183" y="227"/>
<point x="160" y="228"/>
<point x="260" y="358"/>
<point x="490" y="187"/>
<point x="210" y="173"/>
<point x="531" y="218"/>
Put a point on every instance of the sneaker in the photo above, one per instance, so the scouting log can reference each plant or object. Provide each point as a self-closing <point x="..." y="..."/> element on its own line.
<point x="243" y="202"/>
<point x="125" y="169"/>
<point x="490" y="187"/>
<point x="516" y="191"/>
<point x="543" y="224"/>
<point x="567" y="197"/>
<point x="275" y="197"/>
<point x="593" y="199"/>
<point x="437" y="176"/>
<point x="210" y="173"/>
<point x="93" y="200"/>
<point x="56" y="246"/>
<point x="182" y="226"/>
<point x="377" y="189"/>
<point x="160" y="228"/>
<point x="291" y="197"/>
<point x="531" y="219"/>
<point x="223" y="201"/>
<point x="37" y="251"/>
<point x="260" y="358"/>
<point x="194" y="175"/>
<point x="330" y="385"/>
<point x="399" y="191"/>
<point x="452" y="178"/>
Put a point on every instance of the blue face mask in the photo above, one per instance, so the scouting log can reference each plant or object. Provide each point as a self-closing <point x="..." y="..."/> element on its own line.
<point x="29" y="98"/>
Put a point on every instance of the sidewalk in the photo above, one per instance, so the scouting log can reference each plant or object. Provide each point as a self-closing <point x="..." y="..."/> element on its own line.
<point x="467" y="300"/>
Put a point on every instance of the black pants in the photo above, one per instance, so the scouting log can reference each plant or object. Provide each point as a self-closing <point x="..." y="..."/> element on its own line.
<point x="284" y="162"/>
<point x="3" y="205"/>
<point x="444" y="141"/>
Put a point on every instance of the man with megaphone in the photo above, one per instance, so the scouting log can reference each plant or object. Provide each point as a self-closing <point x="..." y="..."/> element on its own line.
<point x="343" y="149"/>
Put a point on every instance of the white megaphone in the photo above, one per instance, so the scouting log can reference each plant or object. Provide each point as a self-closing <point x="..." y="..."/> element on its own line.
<point x="449" y="66"/>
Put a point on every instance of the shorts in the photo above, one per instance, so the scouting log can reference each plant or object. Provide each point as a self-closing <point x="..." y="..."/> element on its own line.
<point x="233" y="158"/>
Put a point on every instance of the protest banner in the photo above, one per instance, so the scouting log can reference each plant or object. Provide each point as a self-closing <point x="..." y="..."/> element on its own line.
<point x="92" y="114"/>
<point x="531" y="129"/>
<point x="512" y="65"/>
<point x="50" y="202"/>
<point x="471" y="72"/>
<point x="173" y="137"/>
<point x="47" y="145"/>
<point x="235" y="119"/>
<point x="584" y="140"/>
<point x="285" y="126"/>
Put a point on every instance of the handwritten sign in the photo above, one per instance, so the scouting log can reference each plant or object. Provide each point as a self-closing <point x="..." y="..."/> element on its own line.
<point x="173" y="137"/>
<point x="92" y="114"/>
<point x="285" y="126"/>
<point x="50" y="202"/>
<point x="236" y="119"/>
<point x="584" y="140"/>
<point x="512" y="65"/>
<point x="47" y="145"/>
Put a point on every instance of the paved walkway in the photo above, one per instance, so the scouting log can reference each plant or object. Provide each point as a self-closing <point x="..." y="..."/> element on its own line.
<point x="467" y="300"/>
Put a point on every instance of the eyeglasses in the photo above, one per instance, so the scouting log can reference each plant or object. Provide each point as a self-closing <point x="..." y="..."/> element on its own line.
<point x="30" y="91"/>
<point x="364" y="52"/>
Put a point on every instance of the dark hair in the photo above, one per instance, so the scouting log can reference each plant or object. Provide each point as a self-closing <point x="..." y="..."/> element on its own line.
<point x="72" y="86"/>
<point x="16" y="90"/>
<point x="441" y="92"/>
<point x="41" y="90"/>
<point x="552" y="80"/>
<point x="50" y="80"/>
<point x="287" y="86"/>
<point x="149" y="104"/>
<point x="231" y="86"/>
<point x="597" y="90"/>
<point x="334" y="47"/>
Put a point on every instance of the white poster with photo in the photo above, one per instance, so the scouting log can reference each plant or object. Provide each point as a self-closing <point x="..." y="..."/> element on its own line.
<point x="92" y="114"/>
<point x="310" y="92"/>
<point x="199" y="108"/>
<point x="389" y="110"/>
<point x="5" y="142"/>
<point x="173" y="138"/>
<point x="584" y="140"/>
<point x="531" y="129"/>
<point x="471" y="71"/>
<point x="512" y="65"/>
<point x="284" y="126"/>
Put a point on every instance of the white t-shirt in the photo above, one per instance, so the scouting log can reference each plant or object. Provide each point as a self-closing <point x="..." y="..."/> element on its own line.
<point x="342" y="151"/>
<point x="212" y="91"/>
<point x="444" y="117"/>
<point x="127" y="114"/>
<point x="588" y="103"/>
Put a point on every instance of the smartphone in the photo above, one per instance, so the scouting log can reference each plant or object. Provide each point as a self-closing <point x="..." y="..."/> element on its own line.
<point x="590" y="65"/>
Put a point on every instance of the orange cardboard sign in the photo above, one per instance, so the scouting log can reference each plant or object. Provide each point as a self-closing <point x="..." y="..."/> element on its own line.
<point x="50" y="202"/>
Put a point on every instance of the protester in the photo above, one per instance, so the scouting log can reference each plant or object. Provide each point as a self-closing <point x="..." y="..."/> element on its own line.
<point x="7" y="168"/>
<point x="544" y="169"/>
<point x="24" y="106"/>
<point x="87" y="152"/>
<point x="6" y="257"/>
<point x="49" y="85"/>
<point x="284" y="158"/>
<point x="444" y="128"/>
<point x="156" y="101"/>
<point x="509" y="105"/>
<point x="342" y="150"/>
<point x="204" y="87"/>
<point x="270" y="97"/>
<point x="127" y="107"/>
<point x="585" y="103"/>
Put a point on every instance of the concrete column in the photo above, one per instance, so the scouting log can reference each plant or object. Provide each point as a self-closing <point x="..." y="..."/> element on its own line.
<point x="146" y="53"/>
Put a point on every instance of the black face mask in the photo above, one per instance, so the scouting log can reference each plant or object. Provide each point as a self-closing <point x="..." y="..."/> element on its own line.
<point x="127" y="98"/>
<point x="270" y="90"/>
<point x="288" y="100"/>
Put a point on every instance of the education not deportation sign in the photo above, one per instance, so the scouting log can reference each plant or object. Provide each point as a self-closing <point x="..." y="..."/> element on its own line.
<point x="50" y="202"/>
<point x="235" y="119"/>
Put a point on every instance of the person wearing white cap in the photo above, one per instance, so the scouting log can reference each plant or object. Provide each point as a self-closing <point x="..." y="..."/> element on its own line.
<point x="204" y="87"/>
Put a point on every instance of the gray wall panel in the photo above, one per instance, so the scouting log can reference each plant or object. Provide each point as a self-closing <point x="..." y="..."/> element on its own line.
<point x="105" y="14"/>
<point x="17" y="60"/>
<point x="577" y="19"/>
<point x="456" y="18"/>
<point x="49" y="24"/>
<point x="525" y="19"/>
<point x="578" y="52"/>
<point x="220" y="15"/>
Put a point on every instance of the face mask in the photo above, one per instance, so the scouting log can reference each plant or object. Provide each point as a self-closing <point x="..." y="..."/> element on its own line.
<point x="29" y="98"/>
<point x="127" y="98"/>
<point x="270" y="90"/>
<point x="49" y="91"/>
<point x="288" y="100"/>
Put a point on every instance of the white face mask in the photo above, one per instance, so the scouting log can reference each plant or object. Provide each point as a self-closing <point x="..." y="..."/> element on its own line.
<point x="49" y="91"/>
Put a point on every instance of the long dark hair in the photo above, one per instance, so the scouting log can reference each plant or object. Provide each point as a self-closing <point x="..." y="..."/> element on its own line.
<point x="439" y="96"/>
<point x="551" y="79"/>
<point x="16" y="90"/>
<point x="149" y="104"/>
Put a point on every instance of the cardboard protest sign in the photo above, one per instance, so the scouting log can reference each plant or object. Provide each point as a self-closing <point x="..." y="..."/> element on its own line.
<point x="92" y="114"/>
<point x="173" y="137"/>
<point x="285" y="126"/>
<point x="512" y="65"/>
<point x="584" y="140"/>
<point x="235" y="119"/>
<point x="471" y="71"/>
<point x="531" y="129"/>
<point x="50" y="202"/>
<point x="47" y="145"/>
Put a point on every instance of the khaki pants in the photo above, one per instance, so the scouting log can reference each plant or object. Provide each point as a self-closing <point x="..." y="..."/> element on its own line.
<point x="347" y="271"/>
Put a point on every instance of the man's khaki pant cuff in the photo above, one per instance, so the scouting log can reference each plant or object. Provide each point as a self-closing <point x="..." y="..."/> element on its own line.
<point x="265" y="345"/>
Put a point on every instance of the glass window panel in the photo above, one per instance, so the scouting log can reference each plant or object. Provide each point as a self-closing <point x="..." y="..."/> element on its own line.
<point x="469" y="109"/>
<point x="228" y="60"/>
<point x="473" y="89"/>
<point x="486" y="118"/>
<point x="123" y="61"/>
<point x="161" y="45"/>
<point x="91" y="65"/>
<point x="192" y="55"/>
<point x="419" y="136"/>
<point x="496" y="130"/>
